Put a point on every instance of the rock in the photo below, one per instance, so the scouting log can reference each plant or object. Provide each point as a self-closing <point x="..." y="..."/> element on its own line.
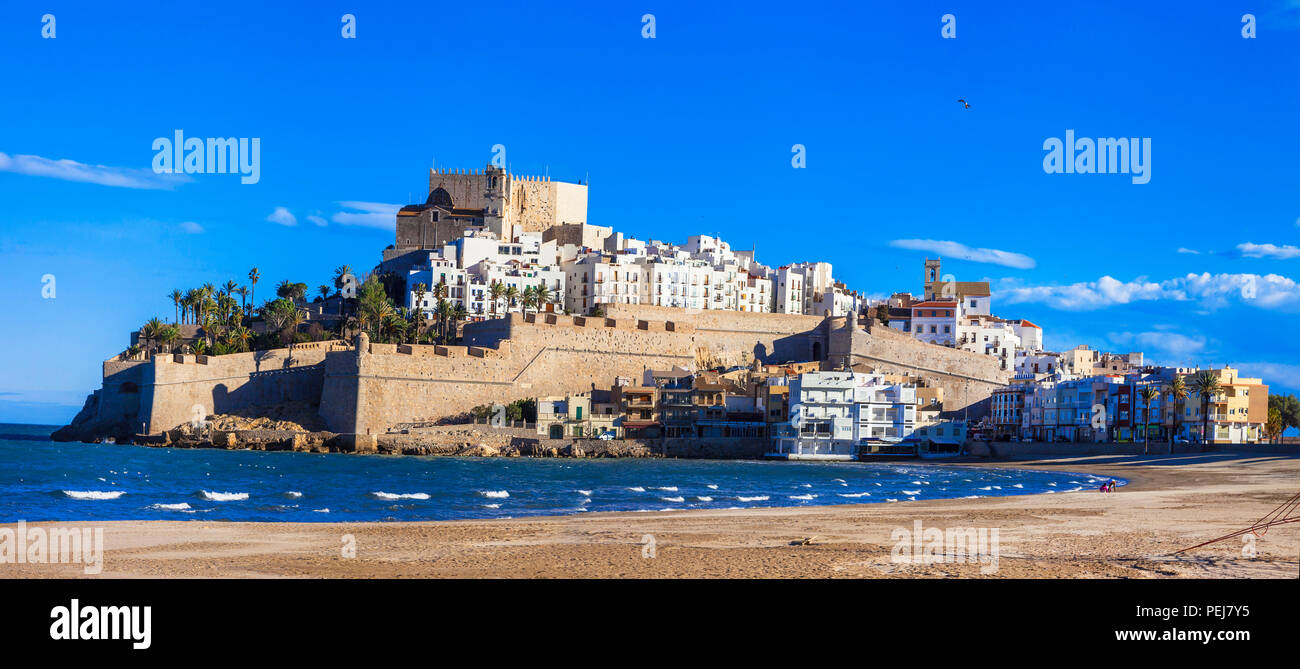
<point x="481" y="451"/>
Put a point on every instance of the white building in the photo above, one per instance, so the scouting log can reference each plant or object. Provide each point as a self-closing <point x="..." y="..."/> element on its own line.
<point x="837" y="415"/>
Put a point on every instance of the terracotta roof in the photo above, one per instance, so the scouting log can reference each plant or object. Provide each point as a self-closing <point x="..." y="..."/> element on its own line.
<point x="934" y="303"/>
<point x="1025" y="323"/>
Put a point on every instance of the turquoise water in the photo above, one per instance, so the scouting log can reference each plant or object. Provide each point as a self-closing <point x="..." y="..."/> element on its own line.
<point x="44" y="480"/>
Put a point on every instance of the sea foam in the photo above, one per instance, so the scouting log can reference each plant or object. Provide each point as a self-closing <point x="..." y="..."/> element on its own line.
<point x="93" y="494"/>
<point x="401" y="495"/>
<point x="223" y="496"/>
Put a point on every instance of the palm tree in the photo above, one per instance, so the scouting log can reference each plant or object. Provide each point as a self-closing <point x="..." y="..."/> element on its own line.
<point x="543" y="294"/>
<point x="1177" y="394"/>
<point x="176" y="297"/>
<point x="458" y="313"/>
<point x="169" y="335"/>
<point x="191" y="302"/>
<point x="444" y="315"/>
<point x="238" y="338"/>
<point x="417" y="316"/>
<point x="243" y="305"/>
<point x="342" y="274"/>
<point x="324" y="293"/>
<point x="512" y="296"/>
<point x="530" y="299"/>
<point x="1206" y="384"/>
<point x="253" y="276"/>
<point x="229" y="287"/>
<point x="1147" y="394"/>
<point x="496" y="292"/>
<point x="151" y="332"/>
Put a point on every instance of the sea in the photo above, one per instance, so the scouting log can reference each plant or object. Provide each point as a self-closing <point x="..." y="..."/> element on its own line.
<point x="42" y="480"/>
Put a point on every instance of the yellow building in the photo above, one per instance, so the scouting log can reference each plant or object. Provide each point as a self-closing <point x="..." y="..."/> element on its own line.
<point x="1236" y="415"/>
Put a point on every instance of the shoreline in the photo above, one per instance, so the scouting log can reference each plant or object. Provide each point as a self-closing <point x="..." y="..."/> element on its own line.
<point x="1170" y="502"/>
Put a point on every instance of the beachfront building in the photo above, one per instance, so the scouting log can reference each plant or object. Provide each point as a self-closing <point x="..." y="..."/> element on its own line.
<point x="1110" y="407"/>
<point x="639" y="411"/>
<point x="822" y="416"/>
<point x="885" y="414"/>
<point x="843" y="415"/>
<point x="1236" y="415"/>
<point x="576" y="415"/>
<point x="1006" y="406"/>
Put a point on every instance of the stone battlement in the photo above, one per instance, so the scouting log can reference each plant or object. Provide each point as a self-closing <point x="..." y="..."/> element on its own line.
<point x="369" y="387"/>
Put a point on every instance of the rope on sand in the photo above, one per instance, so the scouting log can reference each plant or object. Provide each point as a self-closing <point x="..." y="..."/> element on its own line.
<point x="1281" y="515"/>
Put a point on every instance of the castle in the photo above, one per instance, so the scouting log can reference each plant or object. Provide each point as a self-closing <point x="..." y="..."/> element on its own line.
<point x="369" y="388"/>
<point x="493" y="199"/>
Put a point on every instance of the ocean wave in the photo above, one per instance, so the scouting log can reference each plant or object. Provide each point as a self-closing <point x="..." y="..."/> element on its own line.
<point x="495" y="494"/>
<point x="492" y="506"/>
<point x="171" y="507"/>
<point x="637" y="489"/>
<point x="840" y="480"/>
<point x="804" y="497"/>
<point x="320" y="510"/>
<point x="987" y="487"/>
<point x="293" y="494"/>
<point x="223" y="496"/>
<point x="670" y="488"/>
<point x="890" y="499"/>
<point x="673" y="499"/>
<point x="1018" y="485"/>
<point x="93" y="494"/>
<point x="853" y="494"/>
<point x="400" y="495"/>
<point x="756" y="498"/>
<point x="584" y="493"/>
<point x="712" y="486"/>
<point x="911" y="492"/>
<point x="703" y="498"/>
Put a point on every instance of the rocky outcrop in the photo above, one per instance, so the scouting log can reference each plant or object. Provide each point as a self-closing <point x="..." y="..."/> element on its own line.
<point x="87" y="426"/>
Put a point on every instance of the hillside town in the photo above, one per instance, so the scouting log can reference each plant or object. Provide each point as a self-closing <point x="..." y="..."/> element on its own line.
<point x="487" y="244"/>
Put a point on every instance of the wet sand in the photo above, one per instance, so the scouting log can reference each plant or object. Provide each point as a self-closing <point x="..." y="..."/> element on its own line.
<point x="1171" y="502"/>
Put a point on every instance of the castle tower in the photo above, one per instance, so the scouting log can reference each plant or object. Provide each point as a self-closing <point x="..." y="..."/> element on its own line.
<point x="932" y="275"/>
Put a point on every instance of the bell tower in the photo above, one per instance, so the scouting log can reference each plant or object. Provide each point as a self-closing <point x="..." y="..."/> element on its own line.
<point x="932" y="275"/>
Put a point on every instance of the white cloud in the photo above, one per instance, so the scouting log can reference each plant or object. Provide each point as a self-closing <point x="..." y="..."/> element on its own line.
<point x="1272" y="251"/>
<point x="191" y="227"/>
<point x="1187" y="250"/>
<point x="1208" y="291"/>
<point x="317" y="220"/>
<point x="369" y="214"/>
<point x="962" y="252"/>
<point x="1171" y="344"/>
<point x="71" y="170"/>
<point x="282" y="216"/>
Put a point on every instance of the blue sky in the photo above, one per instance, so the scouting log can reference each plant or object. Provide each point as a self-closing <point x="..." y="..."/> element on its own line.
<point x="689" y="132"/>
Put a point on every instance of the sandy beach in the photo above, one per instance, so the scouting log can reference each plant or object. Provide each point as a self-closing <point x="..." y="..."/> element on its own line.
<point x="1170" y="503"/>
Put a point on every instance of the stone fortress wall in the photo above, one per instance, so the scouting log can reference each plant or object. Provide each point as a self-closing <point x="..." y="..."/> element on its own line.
<point x="372" y="387"/>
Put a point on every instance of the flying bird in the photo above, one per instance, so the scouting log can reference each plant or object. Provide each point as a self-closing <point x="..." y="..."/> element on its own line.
<point x="965" y="103"/>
